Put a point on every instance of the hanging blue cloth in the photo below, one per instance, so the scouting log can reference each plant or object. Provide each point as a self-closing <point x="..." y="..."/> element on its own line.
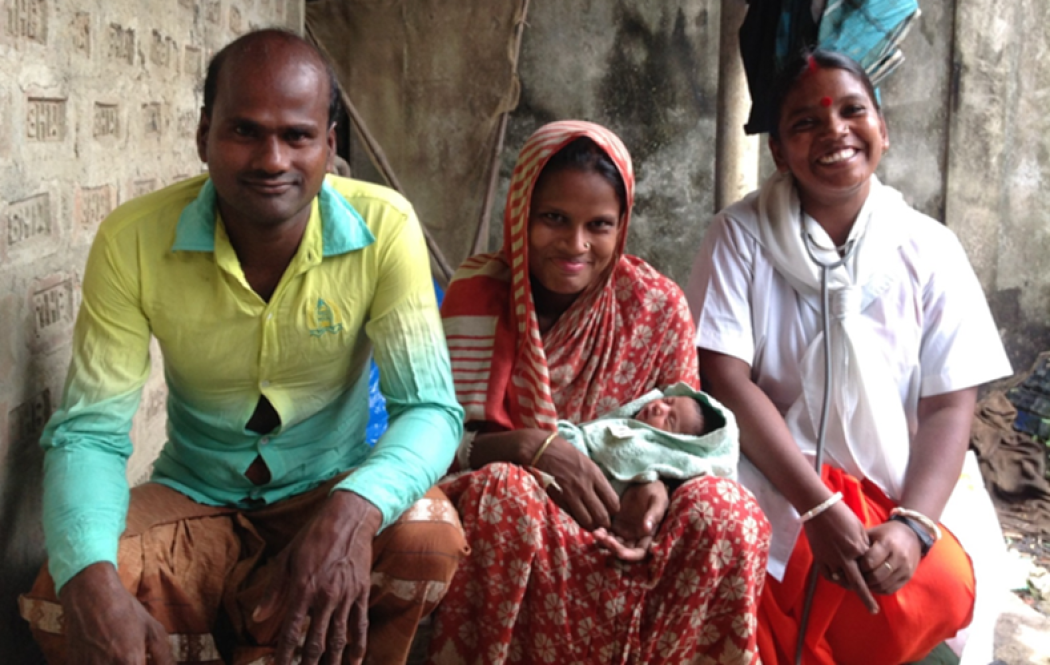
<point x="774" y="31"/>
<point x="377" y="416"/>
<point x="869" y="31"/>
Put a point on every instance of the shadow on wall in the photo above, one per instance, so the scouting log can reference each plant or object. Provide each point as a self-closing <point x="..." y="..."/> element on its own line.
<point x="21" y="532"/>
<point x="651" y="88"/>
<point x="1025" y="337"/>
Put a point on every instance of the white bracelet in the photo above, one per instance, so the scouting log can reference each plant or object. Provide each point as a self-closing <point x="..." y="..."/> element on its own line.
<point x="466" y="445"/>
<point x="928" y="524"/>
<point x="820" y="507"/>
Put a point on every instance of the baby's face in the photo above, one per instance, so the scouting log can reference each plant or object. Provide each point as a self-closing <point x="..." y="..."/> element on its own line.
<point x="678" y="415"/>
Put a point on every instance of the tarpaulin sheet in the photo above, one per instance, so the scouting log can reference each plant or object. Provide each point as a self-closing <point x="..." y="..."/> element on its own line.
<point x="430" y="79"/>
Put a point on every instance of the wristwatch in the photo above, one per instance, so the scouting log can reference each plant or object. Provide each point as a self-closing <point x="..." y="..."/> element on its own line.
<point x="925" y="539"/>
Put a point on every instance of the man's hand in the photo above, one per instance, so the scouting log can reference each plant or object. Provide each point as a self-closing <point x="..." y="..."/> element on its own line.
<point x="322" y="583"/>
<point x="106" y="625"/>
<point x="585" y="492"/>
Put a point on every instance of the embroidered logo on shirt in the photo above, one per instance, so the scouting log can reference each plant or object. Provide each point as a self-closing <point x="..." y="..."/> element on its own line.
<point x="325" y="320"/>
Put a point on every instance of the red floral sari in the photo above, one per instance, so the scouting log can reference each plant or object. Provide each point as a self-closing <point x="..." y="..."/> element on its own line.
<point x="537" y="588"/>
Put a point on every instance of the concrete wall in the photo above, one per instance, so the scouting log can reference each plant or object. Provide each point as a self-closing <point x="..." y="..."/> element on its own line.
<point x="998" y="185"/>
<point x="915" y="103"/>
<point x="100" y="103"/>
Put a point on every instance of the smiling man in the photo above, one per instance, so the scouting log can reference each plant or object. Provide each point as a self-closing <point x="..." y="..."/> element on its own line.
<point x="269" y="530"/>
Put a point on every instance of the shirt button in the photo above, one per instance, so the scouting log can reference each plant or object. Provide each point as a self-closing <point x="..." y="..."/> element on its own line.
<point x="263" y="441"/>
<point x="269" y="316"/>
<point x="265" y="384"/>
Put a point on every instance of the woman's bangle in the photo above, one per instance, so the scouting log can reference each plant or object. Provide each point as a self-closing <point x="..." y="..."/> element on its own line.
<point x="543" y="448"/>
<point x="820" y="507"/>
<point x="466" y="446"/>
<point x="926" y="522"/>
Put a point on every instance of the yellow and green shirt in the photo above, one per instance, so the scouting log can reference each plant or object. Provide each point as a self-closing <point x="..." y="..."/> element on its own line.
<point x="163" y="266"/>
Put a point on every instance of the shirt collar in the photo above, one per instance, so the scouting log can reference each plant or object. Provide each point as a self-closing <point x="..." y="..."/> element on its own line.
<point x="342" y="227"/>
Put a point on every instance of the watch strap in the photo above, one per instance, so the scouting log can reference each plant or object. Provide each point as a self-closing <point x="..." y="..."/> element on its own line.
<point x="925" y="539"/>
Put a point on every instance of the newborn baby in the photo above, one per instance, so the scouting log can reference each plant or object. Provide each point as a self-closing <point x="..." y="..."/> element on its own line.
<point x="675" y="434"/>
<point x="677" y="415"/>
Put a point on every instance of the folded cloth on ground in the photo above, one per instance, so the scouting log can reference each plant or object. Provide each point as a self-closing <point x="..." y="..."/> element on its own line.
<point x="1013" y="465"/>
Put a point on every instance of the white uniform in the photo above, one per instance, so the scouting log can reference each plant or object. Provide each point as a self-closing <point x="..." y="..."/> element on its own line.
<point x="925" y="329"/>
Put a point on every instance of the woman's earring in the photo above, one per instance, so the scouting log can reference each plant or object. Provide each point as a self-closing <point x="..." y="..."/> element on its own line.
<point x="586" y="245"/>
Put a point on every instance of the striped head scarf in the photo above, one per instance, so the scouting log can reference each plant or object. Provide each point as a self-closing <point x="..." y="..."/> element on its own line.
<point x="626" y="333"/>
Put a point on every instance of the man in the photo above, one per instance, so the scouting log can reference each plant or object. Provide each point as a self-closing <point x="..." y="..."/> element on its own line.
<point x="266" y="285"/>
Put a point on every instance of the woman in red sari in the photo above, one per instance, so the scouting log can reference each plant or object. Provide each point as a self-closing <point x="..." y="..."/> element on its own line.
<point x="562" y="324"/>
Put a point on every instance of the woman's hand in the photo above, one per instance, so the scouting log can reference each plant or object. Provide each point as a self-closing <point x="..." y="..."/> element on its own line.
<point x="891" y="560"/>
<point x="642" y="508"/>
<point x="836" y="536"/>
<point x="584" y="491"/>
<point x="837" y="539"/>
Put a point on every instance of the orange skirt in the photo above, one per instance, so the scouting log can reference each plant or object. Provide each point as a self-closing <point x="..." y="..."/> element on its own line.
<point x="930" y="608"/>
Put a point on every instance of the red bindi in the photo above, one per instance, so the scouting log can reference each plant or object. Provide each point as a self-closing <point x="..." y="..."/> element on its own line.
<point x="825" y="102"/>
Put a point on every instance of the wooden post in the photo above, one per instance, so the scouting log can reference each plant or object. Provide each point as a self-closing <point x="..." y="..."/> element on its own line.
<point x="736" y="154"/>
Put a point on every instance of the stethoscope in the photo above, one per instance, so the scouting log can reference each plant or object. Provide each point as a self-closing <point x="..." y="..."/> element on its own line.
<point x="845" y="252"/>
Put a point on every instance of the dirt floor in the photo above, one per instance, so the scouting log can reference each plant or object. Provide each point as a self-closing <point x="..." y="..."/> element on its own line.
<point x="1022" y="636"/>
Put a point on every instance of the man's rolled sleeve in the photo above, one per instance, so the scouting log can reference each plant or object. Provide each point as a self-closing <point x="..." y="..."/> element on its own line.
<point x="86" y="441"/>
<point x="426" y="422"/>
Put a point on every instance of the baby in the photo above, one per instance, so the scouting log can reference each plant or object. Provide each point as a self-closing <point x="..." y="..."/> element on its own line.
<point x="678" y="415"/>
<point x="675" y="434"/>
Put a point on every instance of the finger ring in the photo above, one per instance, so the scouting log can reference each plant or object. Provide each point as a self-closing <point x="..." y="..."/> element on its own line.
<point x="889" y="566"/>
